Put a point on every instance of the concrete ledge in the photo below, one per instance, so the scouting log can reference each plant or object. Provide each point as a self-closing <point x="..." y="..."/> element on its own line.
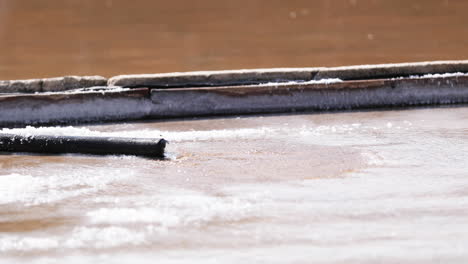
<point x="213" y="78"/>
<point x="21" y="86"/>
<point x="258" y="76"/>
<point x="51" y="84"/>
<point x="388" y="85"/>
<point x="311" y="97"/>
<point x="59" y="108"/>
<point x="380" y="71"/>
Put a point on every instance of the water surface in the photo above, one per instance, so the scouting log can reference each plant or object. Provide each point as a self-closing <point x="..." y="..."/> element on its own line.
<point x="386" y="186"/>
<point x="86" y="37"/>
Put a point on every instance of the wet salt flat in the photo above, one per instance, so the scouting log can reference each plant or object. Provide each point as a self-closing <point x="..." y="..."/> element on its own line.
<point x="363" y="187"/>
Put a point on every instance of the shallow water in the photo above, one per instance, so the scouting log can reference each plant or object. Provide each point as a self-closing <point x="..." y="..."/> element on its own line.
<point x="385" y="186"/>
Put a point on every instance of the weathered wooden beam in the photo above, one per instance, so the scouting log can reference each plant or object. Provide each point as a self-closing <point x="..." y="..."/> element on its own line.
<point x="84" y="145"/>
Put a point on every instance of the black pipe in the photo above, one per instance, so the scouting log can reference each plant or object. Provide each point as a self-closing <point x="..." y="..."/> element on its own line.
<point x="149" y="147"/>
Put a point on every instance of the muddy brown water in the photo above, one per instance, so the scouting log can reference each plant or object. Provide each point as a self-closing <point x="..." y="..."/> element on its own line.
<point x="362" y="187"/>
<point x="56" y="37"/>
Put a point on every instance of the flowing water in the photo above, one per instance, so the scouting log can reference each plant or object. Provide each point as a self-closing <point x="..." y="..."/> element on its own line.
<point x="361" y="187"/>
<point x="385" y="186"/>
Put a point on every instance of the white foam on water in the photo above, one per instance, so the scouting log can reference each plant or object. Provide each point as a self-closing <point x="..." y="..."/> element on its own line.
<point x="21" y="243"/>
<point x="442" y="252"/>
<point x="145" y="133"/>
<point x="107" y="237"/>
<point x="57" y="185"/>
<point x="178" y="208"/>
<point x="409" y="204"/>
<point x="111" y="227"/>
<point x="373" y="158"/>
<point x="321" y="132"/>
<point x="79" y="238"/>
<point x="29" y="191"/>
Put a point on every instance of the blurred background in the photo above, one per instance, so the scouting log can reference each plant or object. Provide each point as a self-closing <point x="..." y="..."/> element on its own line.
<point x="41" y="38"/>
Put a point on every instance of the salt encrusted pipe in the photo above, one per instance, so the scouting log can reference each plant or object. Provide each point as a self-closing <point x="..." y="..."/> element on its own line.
<point x="84" y="145"/>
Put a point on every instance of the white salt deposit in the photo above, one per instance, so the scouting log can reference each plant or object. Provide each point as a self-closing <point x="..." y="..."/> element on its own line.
<point x="100" y="89"/>
<point x="440" y="75"/>
<point x="321" y="81"/>
<point x="435" y="75"/>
